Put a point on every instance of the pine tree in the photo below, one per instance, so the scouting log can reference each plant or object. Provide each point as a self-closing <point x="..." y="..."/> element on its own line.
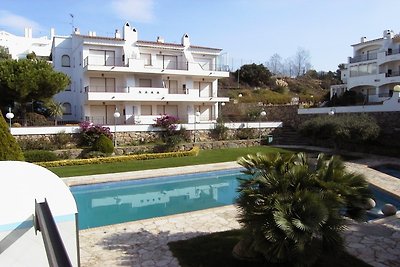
<point x="9" y="148"/>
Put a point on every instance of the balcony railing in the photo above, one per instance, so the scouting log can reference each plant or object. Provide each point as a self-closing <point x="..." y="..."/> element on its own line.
<point x="104" y="89"/>
<point x="365" y="57"/>
<point x="101" y="61"/>
<point x="392" y="52"/>
<point x="392" y="74"/>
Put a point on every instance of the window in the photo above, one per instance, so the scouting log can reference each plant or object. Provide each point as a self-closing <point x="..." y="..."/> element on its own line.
<point x="144" y="82"/>
<point x="68" y="88"/>
<point x="146" y="58"/>
<point x="67" y="108"/>
<point x="102" y="57"/>
<point x="65" y="61"/>
<point x="146" y="110"/>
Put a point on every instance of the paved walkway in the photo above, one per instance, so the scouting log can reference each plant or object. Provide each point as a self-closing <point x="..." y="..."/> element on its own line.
<point x="144" y="243"/>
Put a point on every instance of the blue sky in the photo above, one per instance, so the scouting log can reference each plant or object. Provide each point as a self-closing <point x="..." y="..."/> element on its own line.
<point x="247" y="30"/>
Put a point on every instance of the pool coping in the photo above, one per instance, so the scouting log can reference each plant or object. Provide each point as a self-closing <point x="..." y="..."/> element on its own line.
<point x="134" y="175"/>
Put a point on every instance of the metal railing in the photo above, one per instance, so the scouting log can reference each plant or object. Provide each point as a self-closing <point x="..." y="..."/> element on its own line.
<point x="364" y="57"/>
<point x="57" y="255"/>
<point x="392" y="74"/>
<point x="392" y="52"/>
<point x="104" y="89"/>
<point x="101" y="61"/>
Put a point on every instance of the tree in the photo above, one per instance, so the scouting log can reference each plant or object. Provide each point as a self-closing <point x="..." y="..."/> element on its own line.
<point x="24" y="81"/>
<point x="301" y="61"/>
<point x="9" y="148"/>
<point x="4" y="53"/>
<point x="293" y="210"/>
<point x="55" y="109"/>
<point x="275" y="64"/>
<point x="254" y="75"/>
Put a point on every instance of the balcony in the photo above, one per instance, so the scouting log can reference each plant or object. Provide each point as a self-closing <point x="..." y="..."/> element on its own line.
<point x="365" y="57"/>
<point x="162" y="66"/>
<point x="155" y="94"/>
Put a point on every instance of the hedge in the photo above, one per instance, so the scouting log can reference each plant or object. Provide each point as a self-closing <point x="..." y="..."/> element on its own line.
<point x="72" y="162"/>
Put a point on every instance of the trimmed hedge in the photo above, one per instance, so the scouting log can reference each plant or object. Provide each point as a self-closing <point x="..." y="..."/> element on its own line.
<point x="193" y="152"/>
<point x="39" y="156"/>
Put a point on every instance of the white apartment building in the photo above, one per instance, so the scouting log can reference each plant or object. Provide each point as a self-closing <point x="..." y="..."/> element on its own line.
<point x="140" y="79"/>
<point x="373" y="70"/>
<point x="20" y="46"/>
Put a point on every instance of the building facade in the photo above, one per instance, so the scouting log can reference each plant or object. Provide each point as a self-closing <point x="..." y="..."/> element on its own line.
<point x="20" y="46"/>
<point x="373" y="70"/>
<point x="140" y="79"/>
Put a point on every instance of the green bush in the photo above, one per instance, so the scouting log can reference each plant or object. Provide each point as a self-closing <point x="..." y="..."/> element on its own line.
<point x="103" y="144"/>
<point x="354" y="128"/>
<point x="62" y="139"/>
<point x="39" y="156"/>
<point x="41" y="143"/>
<point x="220" y="132"/>
<point x="9" y="148"/>
<point x="246" y="133"/>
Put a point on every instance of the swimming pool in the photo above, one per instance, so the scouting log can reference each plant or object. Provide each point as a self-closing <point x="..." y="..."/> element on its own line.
<point x="117" y="202"/>
<point x="390" y="169"/>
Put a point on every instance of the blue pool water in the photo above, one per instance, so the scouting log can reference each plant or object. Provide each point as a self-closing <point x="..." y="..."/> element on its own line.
<point x="117" y="202"/>
<point x="392" y="170"/>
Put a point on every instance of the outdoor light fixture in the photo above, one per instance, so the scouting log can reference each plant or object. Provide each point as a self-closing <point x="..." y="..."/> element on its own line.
<point x="10" y="116"/>
<point x="262" y="115"/>
<point x="332" y="112"/>
<point x="196" y="116"/>
<point x="116" y="116"/>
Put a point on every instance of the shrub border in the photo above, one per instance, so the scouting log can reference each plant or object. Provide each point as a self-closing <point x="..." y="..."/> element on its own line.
<point x="73" y="162"/>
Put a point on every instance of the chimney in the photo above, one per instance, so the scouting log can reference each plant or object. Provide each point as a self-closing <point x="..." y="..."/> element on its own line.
<point x="117" y="34"/>
<point x="185" y="40"/>
<point x="363" y="39"/>
<point x="52" y="33"/>
<point x="76" y="31"/>
<point x="160" y="39"/>
<point x="93" y="33"/>
<point x="26" y="32"/>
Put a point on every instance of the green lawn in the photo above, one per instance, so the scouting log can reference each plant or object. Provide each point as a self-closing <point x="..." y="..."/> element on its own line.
<point x="215" y="250"/>
<point x="204" y="157"/>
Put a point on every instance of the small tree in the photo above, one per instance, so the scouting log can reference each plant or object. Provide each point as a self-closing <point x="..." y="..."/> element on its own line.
<point x="55" y="109"/>
<point x="9" y="148"/>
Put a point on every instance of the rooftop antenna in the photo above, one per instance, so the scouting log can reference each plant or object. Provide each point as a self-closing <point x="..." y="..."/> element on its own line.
<point x="72" y="21"/>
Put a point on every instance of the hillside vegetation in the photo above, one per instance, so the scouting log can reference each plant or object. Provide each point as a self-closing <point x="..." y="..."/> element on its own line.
<point x="255" y="84"/>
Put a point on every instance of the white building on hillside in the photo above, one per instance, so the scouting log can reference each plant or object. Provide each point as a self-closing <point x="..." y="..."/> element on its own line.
<point x="20" y="46"/>
<point x="374" y="69"/>
<point x="140" y="79"/>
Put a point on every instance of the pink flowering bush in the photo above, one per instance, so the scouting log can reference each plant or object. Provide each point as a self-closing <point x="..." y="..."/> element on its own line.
<point x="91" y="132"/>
<point x="167" y="123"/>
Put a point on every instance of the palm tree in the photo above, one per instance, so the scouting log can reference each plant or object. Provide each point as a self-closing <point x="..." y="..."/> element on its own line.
<point x="292" y="210"/>
<point x="56" y="110"/>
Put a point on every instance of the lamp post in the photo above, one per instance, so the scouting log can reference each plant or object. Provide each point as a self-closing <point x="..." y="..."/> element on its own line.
<point x="116" y="116"/>
<point x="10" y="116"/>
<point x="220" y="115"/>
<point x="262" y="115"/>
<point x="196" y="115"/>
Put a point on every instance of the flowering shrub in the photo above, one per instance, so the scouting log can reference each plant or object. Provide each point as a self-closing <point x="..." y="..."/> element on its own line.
<point x="91" y="132"/>
<point x="100" y="160"/>
<point x="168" y="123"/>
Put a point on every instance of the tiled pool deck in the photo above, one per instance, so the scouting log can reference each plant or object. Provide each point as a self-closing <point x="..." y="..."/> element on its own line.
<point x="144" y="243"/>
